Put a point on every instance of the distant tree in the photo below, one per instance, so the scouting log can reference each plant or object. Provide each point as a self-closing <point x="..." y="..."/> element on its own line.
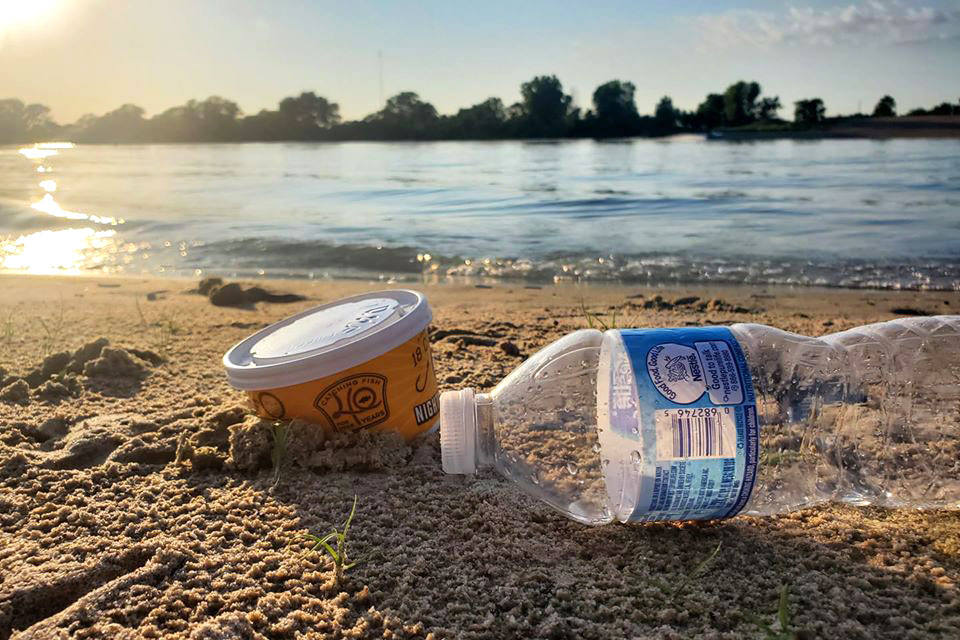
<point x="12" y="126"/>
<point x="483" y="120"/>
<point x="711" y="113"/>
<point x="405" y="116"/>
<point x="210" y="120"/>
<point x="614" y="109"/>
<point x="809" y="111"/>
<point x="945" y="109"/>
<point x="36" y="116"/>
<point x="886" y="108"/>
<point x="125" y="124"/>
<point x="218" y="117"/>
<point x="665" y="115"/>
<point x="545" y="107"/>
<point x="515" y="112"/>
<point x="740" y="103"/>
<point x="309" y="112"/>
<point x="768" y="107"/>
<point x="21" y="122"/>
<point x="266" y="125"/>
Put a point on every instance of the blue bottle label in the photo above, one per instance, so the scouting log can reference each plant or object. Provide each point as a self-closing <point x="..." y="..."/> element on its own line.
<point x="698" y="423"/>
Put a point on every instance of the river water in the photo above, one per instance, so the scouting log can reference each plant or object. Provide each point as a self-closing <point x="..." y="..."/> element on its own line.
<point x="850" y="213"/>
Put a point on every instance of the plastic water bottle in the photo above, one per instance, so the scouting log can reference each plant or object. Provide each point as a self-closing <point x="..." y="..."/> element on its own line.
<point x="709" y="422"/>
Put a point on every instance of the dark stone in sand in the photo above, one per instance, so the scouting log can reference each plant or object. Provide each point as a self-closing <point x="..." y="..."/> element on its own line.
<point x="234" y="295"/>
<point x="441" y="334"/>
<point x="259" y="294"/>
<point x="229" y="295"/>
<point x="685" y="301"/>
<point x="207" y="285"/>
<point x="476" y="341"/>
<point x="657" y="303"/>
<point x="718" y="304"/>
<point x="510" y="349"/>
<point x="909" y="311"/>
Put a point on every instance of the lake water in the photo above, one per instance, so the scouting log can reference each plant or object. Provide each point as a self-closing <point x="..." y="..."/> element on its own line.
<point x="853" y="213"/>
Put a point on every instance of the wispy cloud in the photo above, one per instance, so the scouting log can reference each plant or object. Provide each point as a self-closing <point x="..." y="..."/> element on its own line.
<point x="870" y="22"/>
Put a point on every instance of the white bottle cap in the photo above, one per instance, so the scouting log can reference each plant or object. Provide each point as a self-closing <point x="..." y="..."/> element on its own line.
<point x="458" y="431"/>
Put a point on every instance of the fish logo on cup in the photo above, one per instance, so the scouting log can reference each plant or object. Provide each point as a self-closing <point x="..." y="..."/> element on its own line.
<point x="355" y="402"/>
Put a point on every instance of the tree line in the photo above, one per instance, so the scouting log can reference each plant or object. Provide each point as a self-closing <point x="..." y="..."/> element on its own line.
<point x="545" y="110"/>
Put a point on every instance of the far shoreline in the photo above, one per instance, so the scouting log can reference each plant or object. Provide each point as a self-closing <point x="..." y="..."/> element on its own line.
<point x="905" y="127"/>
<point x="841" y="128"/>
<point x="566" y="290"/>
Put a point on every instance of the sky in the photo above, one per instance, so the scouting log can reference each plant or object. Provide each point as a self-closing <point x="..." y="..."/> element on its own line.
<point x="91" y="56"/>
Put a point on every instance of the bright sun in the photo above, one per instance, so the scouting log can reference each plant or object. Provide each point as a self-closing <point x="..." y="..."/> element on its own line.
<point x="16" y="13"/>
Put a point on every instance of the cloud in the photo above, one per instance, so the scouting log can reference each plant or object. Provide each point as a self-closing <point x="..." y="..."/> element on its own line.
<point x="869" y="22"/>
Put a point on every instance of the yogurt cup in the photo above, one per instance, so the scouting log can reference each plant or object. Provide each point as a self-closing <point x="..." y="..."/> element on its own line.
<point x="360" y="363"/>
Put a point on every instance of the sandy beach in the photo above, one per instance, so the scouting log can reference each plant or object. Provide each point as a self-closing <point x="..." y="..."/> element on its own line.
<point x="127" y="511"/>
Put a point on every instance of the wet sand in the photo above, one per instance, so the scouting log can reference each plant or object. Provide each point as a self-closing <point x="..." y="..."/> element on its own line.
<point x="125" y="513"/>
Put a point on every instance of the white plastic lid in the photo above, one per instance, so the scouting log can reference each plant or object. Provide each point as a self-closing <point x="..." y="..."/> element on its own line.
<point x="458" y="431"/>
<point x="327" y="339"/>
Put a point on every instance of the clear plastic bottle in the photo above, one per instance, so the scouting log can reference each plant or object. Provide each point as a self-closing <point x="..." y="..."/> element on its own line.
<point x="708" y="422"/>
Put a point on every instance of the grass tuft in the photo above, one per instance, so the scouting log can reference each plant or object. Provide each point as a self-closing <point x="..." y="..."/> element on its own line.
<point x="698" y="570"/>
<point x="595" y="320"/>
<point x="784" y="630"/>
<point x="673" y="591"/>
<point x="52" y="331"/>
<point x="339" y="555"/>
<point x="165" y="326"/>
<point x="9" y="328"/>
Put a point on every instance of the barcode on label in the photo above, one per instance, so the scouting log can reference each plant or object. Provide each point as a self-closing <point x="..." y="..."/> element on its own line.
<point x="696" y="433"/>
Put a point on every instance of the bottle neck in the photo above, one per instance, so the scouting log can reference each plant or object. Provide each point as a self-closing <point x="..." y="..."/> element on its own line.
<point x="486" y="437"/>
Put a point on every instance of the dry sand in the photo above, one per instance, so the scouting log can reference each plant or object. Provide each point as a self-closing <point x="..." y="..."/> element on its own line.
<point x="121" y="514"/>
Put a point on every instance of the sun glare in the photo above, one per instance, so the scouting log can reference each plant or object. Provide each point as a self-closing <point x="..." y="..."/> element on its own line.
<point x="15" y="13"/>
<point x="62" y="251"/>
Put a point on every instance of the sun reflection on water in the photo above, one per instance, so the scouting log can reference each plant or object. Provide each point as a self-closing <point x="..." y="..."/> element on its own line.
<point x="35" y="153"/>
<point x="64" y="251"/>
<point x="48" y="205"/>
<point x="69" y="251"/>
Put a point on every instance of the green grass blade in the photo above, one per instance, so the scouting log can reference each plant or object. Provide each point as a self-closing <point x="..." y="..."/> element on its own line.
<point x="318" y="539"/>
<point x="353" y="511"/>
<point x="783" y="612"/>
<point x="331" y="551"/>
<point x="703" y="565"/>
<point x="697" y="570"/>
<point x="586" y="314"/>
